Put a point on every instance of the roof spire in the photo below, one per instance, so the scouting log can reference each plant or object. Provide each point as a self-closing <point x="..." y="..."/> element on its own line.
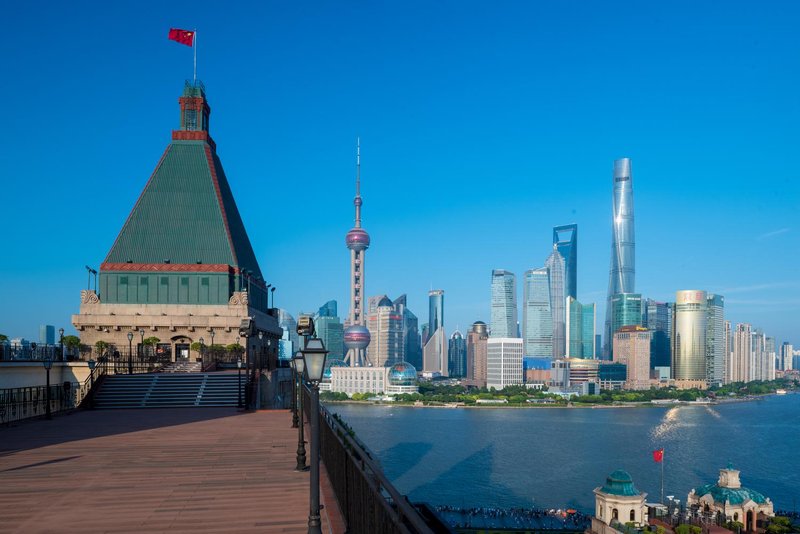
<point x="357" y="201"/>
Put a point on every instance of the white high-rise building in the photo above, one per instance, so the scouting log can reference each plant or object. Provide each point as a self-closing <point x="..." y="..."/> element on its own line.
<point x="689" y="335"/>
<point x="786" y="356"/>
<point x="556" y="270"/>
<point x="504" y="304"/>
<point x="537" y="317"/>
<point x="715" y="340"/>
<point x="728" y="352"/>
<point x="740" y="370"/>
<point x="503" y="362"/>
<point x="434" y="355"/>
<point x="385" y="327"/>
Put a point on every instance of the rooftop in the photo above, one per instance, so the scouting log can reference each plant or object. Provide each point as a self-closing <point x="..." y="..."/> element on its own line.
<point x="177" y="470"/>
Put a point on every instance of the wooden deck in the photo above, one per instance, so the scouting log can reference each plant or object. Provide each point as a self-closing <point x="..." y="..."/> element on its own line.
<point x="157" y="470"/>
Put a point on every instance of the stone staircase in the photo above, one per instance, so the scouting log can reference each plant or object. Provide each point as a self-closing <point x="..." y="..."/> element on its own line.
<point x="182" y="367"/>
<point x="168" y="390"/>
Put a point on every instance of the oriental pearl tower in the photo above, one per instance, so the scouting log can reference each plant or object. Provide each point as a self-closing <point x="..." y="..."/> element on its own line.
<point x="356" y="335"/>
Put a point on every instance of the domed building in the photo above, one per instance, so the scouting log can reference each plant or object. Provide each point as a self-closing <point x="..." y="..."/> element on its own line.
<point x="729" y="501"/>
<point x="401" y="378"/>
<point x="618" y="502"/>
<point x="325" y="385"/>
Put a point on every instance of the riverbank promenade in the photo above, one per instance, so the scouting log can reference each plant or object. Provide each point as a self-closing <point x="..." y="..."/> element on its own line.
<point x="176" y="470"/>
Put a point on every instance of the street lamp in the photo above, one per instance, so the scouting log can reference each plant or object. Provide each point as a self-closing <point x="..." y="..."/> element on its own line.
<point x="130" y="352"/>
<point x="273" y="296"/>
<point x="92" y="365"/>
<point x="314" y="356"/>
<point x="202" y="341"/>
<point x="48" y="364"/>
<point x="141" y="349"/>
<point x="261" y="350"/>
<point x="293" y="407"/>
<point x="61" y="342"/>
<point x="299" y="365"/>
<point x="239" y="365"/>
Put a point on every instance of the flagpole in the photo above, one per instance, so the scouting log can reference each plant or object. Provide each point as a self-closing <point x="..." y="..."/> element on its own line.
<point x="662" y="475"/>
<point x="195" y="56"/>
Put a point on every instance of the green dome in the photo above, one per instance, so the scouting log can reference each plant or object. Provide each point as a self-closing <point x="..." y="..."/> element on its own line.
<point x="620" y="483"/>
<point x="731" y="495"/>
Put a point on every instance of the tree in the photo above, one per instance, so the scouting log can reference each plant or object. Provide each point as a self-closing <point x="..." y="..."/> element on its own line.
<point x="3" y="338"/>
<point x="72" y="342"/>
<point x="101" y="346"/>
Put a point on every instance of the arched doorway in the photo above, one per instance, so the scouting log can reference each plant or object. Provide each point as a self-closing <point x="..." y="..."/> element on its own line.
<point x="615" y="515"/>
<point x="749" y="522"/>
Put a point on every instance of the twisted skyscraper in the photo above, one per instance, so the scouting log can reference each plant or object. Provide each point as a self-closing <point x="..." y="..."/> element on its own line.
<point x="356" y="335"/>
<point x="622" y="275"/>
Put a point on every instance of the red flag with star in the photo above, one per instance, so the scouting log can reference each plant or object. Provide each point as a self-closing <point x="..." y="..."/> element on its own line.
<point x="658" y="455"/>
<point x="182" y="36"/>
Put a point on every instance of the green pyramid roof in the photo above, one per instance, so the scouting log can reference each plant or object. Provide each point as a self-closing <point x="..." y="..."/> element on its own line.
<point x="186" y="215"/>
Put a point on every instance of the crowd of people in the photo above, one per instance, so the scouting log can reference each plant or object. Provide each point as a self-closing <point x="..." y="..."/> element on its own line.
<point x="515" y="518"/>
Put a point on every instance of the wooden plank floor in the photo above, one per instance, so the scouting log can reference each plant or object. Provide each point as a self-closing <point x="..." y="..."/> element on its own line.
<point x="157" y="470"/>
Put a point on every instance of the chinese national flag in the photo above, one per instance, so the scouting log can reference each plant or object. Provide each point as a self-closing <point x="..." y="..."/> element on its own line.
<point x="658" y="455"/>
<point x="182" y="36"/>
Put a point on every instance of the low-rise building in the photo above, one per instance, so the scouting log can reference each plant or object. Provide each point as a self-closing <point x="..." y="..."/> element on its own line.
<point x="618" y="503"/>
<point x="397" y="379"/>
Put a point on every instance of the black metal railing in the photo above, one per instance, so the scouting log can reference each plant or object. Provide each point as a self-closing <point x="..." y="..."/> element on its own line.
<point x="17" y="404"/>
<point x="33" y="351"/>
<point x="137" y="362"/>
<point x="369" y="502"/>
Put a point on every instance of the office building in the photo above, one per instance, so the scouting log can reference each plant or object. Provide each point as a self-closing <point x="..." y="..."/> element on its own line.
<point x="632" y="348"/>
<point x="457" y="356"/>
<point x="786" y="356"/>
<point x="356" y="334"/>
<point x="47" y="334"/>
<point x="329" y="309"/>
<point x="728" y="352"/>
<point x="504" y="304"/>
<point x="657" y="317"/>
<point x="741" y="354"/>
<point x="555" y="271"/>
<point x="580" y="329"/>
<point x="400" y="378"/>
<point x="565" y="238"/>
<point x="434" y="355"/>
<point x="503" y="362"/>
<point x="411" y="335"/>
<point x="626" y="310"/>
<point x="331" y="331"/>
<point x="385" y="325"/>
<point x="537" y="316"/>
<point x="689" y="335"/>
<point x="476" y="353"/>
<point x="715" y="340"/>
<point x="622" y="273"/>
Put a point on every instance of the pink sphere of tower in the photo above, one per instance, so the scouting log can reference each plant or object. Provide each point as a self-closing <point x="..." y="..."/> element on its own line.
<point x="356" y="337"/>
<point x="357" y="239"/>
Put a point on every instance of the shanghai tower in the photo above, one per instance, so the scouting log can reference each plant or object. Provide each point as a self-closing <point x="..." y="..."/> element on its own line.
<point x="622" y="273"/>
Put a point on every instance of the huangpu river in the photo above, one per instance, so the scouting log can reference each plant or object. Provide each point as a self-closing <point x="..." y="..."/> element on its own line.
<point x="555" y="457"/>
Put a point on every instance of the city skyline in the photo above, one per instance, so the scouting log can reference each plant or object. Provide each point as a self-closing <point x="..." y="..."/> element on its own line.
<point x="694" y="159"/>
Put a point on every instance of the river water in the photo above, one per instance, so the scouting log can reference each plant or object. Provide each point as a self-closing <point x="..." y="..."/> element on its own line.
<point x="555" y="457"/>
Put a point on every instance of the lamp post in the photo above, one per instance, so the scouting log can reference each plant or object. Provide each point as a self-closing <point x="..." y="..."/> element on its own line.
<point x="293" y="407"/>
<point x="48" y="364"/>
<point x="273" y="296"/>
<point x="92" y="365"/>
<point x="314" y="356"/>
<point x="239" y="365"/>
<point x="130" y="353"/>
<point x="202" y="342"/>
<point x="61" y="342"/>
<point x="299" y="365"/>
<point x="141" y="347"/>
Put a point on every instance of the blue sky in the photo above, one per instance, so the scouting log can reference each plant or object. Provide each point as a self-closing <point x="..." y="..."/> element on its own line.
<point x="483" y="124"/>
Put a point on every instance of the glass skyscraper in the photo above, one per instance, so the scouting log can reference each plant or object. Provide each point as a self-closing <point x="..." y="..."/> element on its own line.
<point x="580" y="329"/>
<point x="411" y="334"/>
<point x="622" y="273"/>
<point x="537" y="317"/>
<point x="657" y="317"/>
<point x="555" y="269"/>
<point x="626" y="310"/>
<point x="566" y="240"/>
<point x="435" y="310"/>
<point x="329" y="309"/>
<point x="689" y="335"/>
<point x="504" y="304"/>
<point x="331" y="331"/>
<point x="457" y="355"/>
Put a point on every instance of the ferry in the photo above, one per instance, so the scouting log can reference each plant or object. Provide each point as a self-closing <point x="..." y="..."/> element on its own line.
<point x="781" y="392"/>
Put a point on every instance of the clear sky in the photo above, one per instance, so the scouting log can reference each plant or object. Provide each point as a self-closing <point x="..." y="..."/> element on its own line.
<point x="483" y="125"/>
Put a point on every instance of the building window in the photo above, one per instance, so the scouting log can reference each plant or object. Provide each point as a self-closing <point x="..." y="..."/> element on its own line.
<point x="164" y="281"/>
<point x="633" y="515"/>
<point x="143" y="281"/>
<point x="204" y="281"/>
<point x="184" y="280"/>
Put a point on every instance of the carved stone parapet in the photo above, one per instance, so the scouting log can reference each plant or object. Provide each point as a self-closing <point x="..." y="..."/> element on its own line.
<point x="239" y="298"/>
<point x="88" y="296"/>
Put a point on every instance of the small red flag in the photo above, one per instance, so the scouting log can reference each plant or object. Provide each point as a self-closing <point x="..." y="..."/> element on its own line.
<point x="658" y="455"/>
<point x="182" y="36"/>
